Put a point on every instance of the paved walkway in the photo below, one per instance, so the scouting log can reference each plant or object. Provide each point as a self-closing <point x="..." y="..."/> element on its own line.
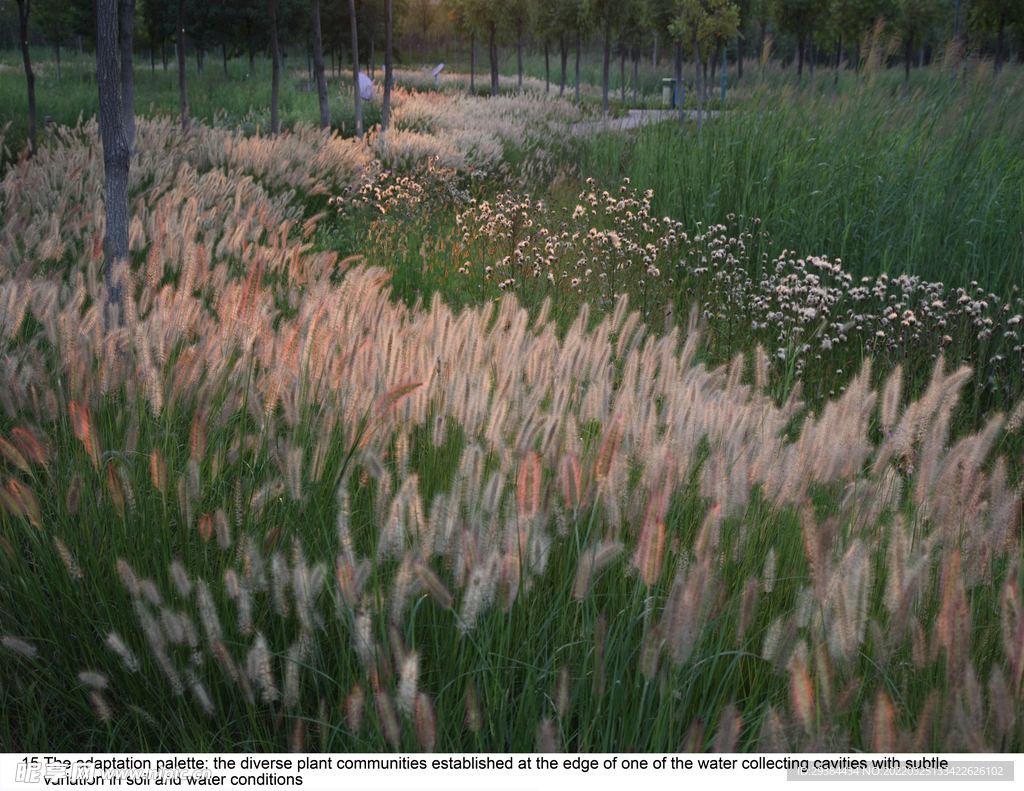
<point x="634" y="119"/>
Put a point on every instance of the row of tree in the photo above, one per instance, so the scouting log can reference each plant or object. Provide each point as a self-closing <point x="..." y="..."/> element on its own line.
<point x="173" y="26"/>
<point x="224" y="29"/>
<point x="634" y="28"/>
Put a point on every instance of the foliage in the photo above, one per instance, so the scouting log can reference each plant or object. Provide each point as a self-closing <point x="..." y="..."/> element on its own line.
<point x="277" y="493"/>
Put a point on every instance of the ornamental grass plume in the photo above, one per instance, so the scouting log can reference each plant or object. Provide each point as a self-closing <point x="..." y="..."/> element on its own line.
<point x="484" y="455"/>
<point x="425" y="717"/>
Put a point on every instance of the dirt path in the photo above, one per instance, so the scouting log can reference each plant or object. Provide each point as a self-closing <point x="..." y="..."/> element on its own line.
<point x="634" y="119"/>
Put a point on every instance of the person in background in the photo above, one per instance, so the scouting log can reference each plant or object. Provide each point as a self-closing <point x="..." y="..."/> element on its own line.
<point x="365" y="88"/>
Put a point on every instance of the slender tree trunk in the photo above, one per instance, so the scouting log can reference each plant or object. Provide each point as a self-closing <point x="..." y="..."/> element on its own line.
<point x="578" y="48"/>
<point x="999" y="42"/>
<point x="182" y="89"/>
<point x="252" y="58"/>
<point x="128" y="71"/>
<point x="812" y="57"/>
<point x="472" y="63"/>
<point x="116" y="153"/>
<point x="318" y="65"/>
<point x="224" y="57"/>
<point x="800" y="63"/>
<point x="563" y="49"/>
<point x="907" y="53"/>
<point x="23" y="11"/>
<point x="636" y="73"/>
<point x="606" y="63"/>
<point x="355" y="69"/>
<point x="163" y="55"/>
<point x="275" y="78"/>
<point x="678" y="90"/>
<point x="152" y="61"/>
<point x="385" y="111"/>
<point x="622" y="74"/>
<point x="547" y="69"/>
<point x="519" y="53"/>
<point x="655" y="58"/>
<point x="56" y="48"/>
<point x="700" y="93"/>
<point x="764" y="56"/>
<point x="739" y="57"/>
<point x="493" y="52"/>
<point x="839" y="58"/>
<point x="373" y="58"/>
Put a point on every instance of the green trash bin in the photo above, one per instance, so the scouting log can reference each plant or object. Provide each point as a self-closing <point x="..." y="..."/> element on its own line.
<point x="671" y="92"/>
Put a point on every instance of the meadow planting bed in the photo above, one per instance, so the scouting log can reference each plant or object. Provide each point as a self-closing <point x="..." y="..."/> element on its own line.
<point x="269" y="506"/>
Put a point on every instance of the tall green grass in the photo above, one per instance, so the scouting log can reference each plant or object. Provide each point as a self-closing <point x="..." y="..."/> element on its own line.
<point x="931" y="184"/>
<point x="237" y="98"/>
<point x="577" y="663"/>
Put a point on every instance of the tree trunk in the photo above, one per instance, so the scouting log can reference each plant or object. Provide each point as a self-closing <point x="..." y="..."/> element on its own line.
<point x="182" y="91"/>
<point x="373" y="59"/>
<point x="472" y="63"/>
<point x="152" y="61"/>
<point x="739" y="57"/>
<point x="547" y="69"/>
<point x="655" y="58"/>
<point x="678" y="90"/>
<point x="519" y="53"/>
<point x="318" y="65"/>
<point x="30" y="78"/>
<point x="128" y="72"/>
<point x="764" y="55"/>
<point x="606" y="63"/>
<point x="355" y="69"/>
<point x="493" y="52"/>
<point x="636" y="72"/>
<point x="700" y="95"/>
<point x="116" y="153"/>
<point x="839" y="58"/>
<point x="275" y="79"/>
<point x="811" y="58"/>
<point x="56" y="48"/>
<point x="800" y="63"/>
<point x="999" y="43"/>
<point x="563" y="49"/>
<point x="385" y="111"/>
<point x="578" y="47"/>
<point x="224" y="56"/>
<point x="252" y="59"/>
<point x="622" y="74"/>
<point x="907" y="53"/>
